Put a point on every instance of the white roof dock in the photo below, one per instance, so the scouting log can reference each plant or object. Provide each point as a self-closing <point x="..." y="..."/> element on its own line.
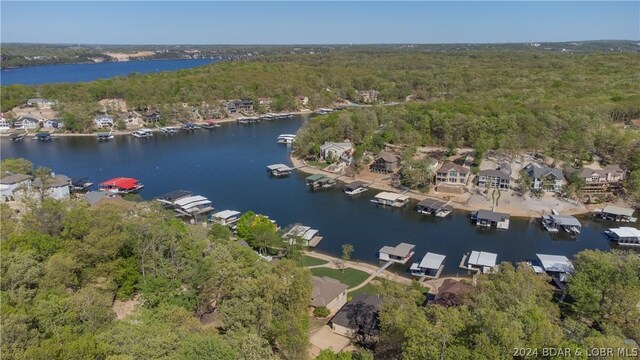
<point x="401" y="250"/>
<point x="565" y="220"/>
<point x="191" y="199"/>
<point x="278" y="167"/>
<point x="225" y="214"/>
<point x="432" y="261"/>
<point x="390" y="196"/>
<point x="617" y="210"/>
<point x="555" y="263"/>
<point x="481" y="258"/>
<point x="626" y="232"/>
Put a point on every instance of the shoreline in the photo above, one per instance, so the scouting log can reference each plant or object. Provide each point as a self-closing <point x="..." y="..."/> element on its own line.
<point x="303" y="167"/>
<point x="154" y="129"/>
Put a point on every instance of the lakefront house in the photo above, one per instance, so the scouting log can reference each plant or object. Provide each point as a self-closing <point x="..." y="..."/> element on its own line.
<point x="545" y="178"/>
<point x="103" y="121"/>
<point x="494" y="179"/>
<point x="601" y="181"/>
<point x="451" y="177"/>
<point x="337" y="151"/>
<point x="27" y="122"/>
<point x="386" y="163"/>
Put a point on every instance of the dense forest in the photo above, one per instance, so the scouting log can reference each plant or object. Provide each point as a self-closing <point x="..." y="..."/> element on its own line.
<point x="489" y="83"/>
<point x="206" y="296"/>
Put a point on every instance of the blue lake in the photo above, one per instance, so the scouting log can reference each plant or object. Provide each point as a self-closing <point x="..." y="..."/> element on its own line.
<point x="71" y="73"/>
<point x="228" y="166"/>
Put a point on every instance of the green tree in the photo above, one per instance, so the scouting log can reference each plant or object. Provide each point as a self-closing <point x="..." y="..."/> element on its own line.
<point x="16" y="166"/>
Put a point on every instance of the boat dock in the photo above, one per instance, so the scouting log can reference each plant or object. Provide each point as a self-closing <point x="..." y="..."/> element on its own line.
<point x="434" y="207"/>
<point x="319" y="181"/>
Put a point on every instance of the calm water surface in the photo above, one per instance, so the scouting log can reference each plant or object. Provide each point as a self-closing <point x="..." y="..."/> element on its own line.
<point x="33" y="75"/>
<point x="228" y="166"/>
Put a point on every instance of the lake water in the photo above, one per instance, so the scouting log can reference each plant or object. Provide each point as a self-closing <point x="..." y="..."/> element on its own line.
<point x="228" y="166"/>
<point x="33" y="75"/>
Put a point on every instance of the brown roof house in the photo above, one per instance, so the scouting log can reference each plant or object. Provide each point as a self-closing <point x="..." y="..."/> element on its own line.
<point x="451" y="177"/>
<point x="386" y="162"/>
<point x="450" y="293"/>
<point x="358" y="318"/>
<point x="601" y="181"/>
<point x="329" y="293"/>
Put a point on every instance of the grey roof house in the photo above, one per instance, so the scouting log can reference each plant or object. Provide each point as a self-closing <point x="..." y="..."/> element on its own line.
<point x="544" y="177"/>
<point x="494" y="179"/>
<point x="328" y="292"/>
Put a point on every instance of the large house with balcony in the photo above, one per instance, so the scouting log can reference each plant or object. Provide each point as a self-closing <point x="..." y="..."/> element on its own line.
<point x="386" y="163"/>
<point x="337" y="151"/>
<point x="602" y="181"/>
<point x="494" y="179"/>
<point x="545" y="178"/>
<point x="103" y="121"/>
<point x="451" y="176"/>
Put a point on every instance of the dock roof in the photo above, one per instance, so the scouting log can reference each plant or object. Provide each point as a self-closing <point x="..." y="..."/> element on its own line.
<point x="391" y="196"/>
<point x="191" y="199"/>
<point x="280" y="167"/>
<point x="355" y="185"/>
<point x="481" y="258"/>
<point x="325" y="290"/>
<point x="432" y="261"/>
<point x="121" y="182"/>
<point x="174" y="195"/>
<point x="565" y="220"/>
<point x="400" y="250"/>
<point x="617" y="210"/>
<point x="431" y="204"/>
<point x="225" y="214"/>
<point x="315" y="177"/>
<point x="492" y="215"/>
<point x="555" y="263"/>
<point x="626" y="232"/>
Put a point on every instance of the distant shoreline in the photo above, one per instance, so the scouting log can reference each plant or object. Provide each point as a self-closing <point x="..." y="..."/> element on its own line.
<point x="103" y="62"/>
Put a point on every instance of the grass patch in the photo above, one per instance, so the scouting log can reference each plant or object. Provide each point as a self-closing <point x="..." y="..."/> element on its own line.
<point x="350" y="277"/>
<point x="368" y="289"/>
<point x="318" y="164"/>
<point x="311" y="261"/>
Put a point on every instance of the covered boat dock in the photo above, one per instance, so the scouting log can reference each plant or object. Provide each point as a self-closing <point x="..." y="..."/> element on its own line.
<point x="390" y="199"/>
<point x="489" y="218"/>
<point x="429" y="267"/>
<point x="553" y="223"/>
<point x="278" y="170"/>
<point x="320" y="181"/>
<point x="615" y="213"/>
<point x="480" y="261"/>
<point x="434" y="207"/>
<point x="626" y="236"/>
<point x="355" y="187"/>
<point x="400" y="254"/>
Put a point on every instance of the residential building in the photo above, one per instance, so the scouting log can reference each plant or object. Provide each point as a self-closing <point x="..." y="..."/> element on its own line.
<point x="358" y="317"/>
<point x="368" y="96"/>
<point x="338" y="151"/>
<point x="452" y="174"/>
<point x="10" y="184"/>
<point x="52" y="124"/>
<point x="303" y="101"/>
<point x="601" y="181"/>
<point x="40" y="103"/>
<point x="27" y="122"/>
<point x="5" y="125"/>
<point x="151" y="115"/>
<point x="544" y="177"/>
<point x="386" y="162"/>
<point x="129" y="118"/>
<point x="103" y="121"/>
<point x="57" y="187"/>
<point x="329" y="293"/>
<point x="450" y="293"/>
<point x="238" y="106"/>
<point x="494" y="179"/>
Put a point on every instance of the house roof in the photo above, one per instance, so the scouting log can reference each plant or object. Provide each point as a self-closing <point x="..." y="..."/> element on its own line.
<point x="30" y="118"/>
<point x="617" y="210"/>
<point x="54" y="181"/>
<point x="325" y="290"/>
<point x="388" y="157"/>
<point x="481" y="258"/>
<point x="448" y="165"/>
<point x="385" y="195"/>
<point x="342" y="146"/>
<point x="494" y="173"/>
<point x="491" y="215"/>
<point x="360" y="314"/>
<point x="555" y="263"/>
<point x="536" y="171"/>
<point x="94" y="197"/>
<point x="432" y="261"/>
<point x="587" y="172"/>
<point x="400" y="250"/>
<point x="565" y="220"/>
<point x="14" y="179"/>
<point x="613" y="168"/>
<point x="450" y="286"/>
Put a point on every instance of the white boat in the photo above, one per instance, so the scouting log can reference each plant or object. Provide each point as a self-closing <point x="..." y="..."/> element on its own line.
<point x="142" y="133"/>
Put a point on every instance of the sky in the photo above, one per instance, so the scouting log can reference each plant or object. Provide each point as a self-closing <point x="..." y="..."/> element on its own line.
<point x="307" y="22"/>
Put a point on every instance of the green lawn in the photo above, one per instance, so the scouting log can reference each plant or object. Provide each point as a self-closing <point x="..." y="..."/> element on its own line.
<point x="318" y="164"/>
<point x="350" y="277"/>
<point x="368" y="289"/>
<point x="311" y="261"/>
